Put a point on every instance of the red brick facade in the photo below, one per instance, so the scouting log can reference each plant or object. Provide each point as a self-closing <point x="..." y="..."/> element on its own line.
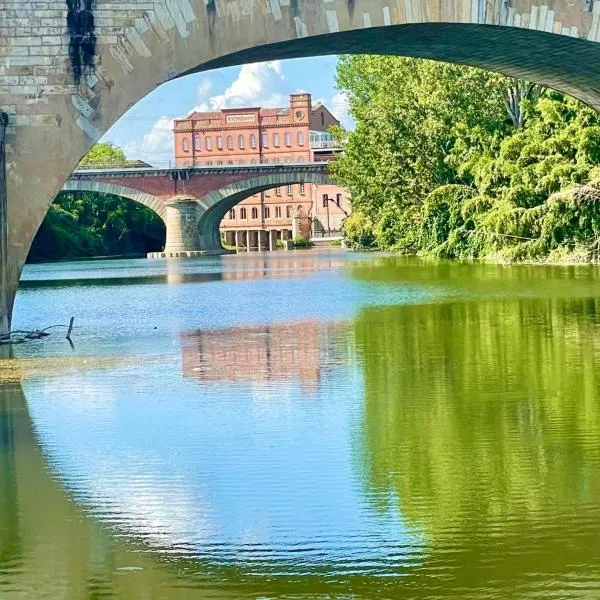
<point x="253" y="136"/>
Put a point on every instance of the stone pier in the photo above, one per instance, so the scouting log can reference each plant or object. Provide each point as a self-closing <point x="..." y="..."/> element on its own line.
<point x="6" y="295"/>
<point x="183" y="238"/>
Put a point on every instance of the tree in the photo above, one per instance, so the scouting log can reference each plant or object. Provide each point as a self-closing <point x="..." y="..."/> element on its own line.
<point x="457" y="162"/>
<point x="104" y="154"/>
<point x="410" y="116"/>
<point x="85" y="224"/>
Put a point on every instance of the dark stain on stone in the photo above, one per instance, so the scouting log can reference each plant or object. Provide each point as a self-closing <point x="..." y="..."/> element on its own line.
<point x="82" y="40"/>
<point x="294" y="8"/>
<point x="211" y="11"/>
<point x="351" y="4"/>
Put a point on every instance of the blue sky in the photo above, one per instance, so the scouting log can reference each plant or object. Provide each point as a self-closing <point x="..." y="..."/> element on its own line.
<point x="144" y="132"/>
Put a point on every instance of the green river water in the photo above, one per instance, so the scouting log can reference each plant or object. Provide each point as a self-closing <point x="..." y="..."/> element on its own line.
<point x="318" y="424"/>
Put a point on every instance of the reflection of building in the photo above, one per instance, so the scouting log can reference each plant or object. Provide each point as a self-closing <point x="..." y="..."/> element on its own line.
<point x="246" y="136"/>
<point x="280" y="265"/>
<point x="262" y="353"/>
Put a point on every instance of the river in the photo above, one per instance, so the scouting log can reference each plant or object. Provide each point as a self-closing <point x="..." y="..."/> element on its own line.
<point x="317" y="424"/>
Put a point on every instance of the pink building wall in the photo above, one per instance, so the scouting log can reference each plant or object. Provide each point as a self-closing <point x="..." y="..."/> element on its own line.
<point x="245" y="136"/>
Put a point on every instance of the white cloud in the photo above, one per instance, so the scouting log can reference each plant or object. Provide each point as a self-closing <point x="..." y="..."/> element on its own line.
<point x="156" y="147"/>
<point x="339" y="106"/>
<point x="257" y="84"/>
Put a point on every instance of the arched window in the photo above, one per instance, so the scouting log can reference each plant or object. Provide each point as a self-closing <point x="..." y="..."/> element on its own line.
<point x="278" y="191"/>
<point x="275" y="139"/>
<point x="243" y="213"/>
<point x="252" y="141"/>
<point x="186" y="145"/>
<point x="229" y="143"/>
<point x="197" y="142"/>
<point x="288" y="139"/>
<point x="219" y="142"/>
<point x="302" y="188"/>
<point x="241" y="142"/>
<point x="300" y="138"/>
<point x="208" y="143"/>
<point x="254" y="212"/>
<point x="266" y="212"/>
<point x="232" y="213"/>
<point x="265" y="140"/>
<point x="252" y="161"/>
<point x="289" y="190"/>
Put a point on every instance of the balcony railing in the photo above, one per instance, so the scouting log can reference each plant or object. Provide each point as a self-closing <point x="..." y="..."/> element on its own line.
<point x="324" y="144"/>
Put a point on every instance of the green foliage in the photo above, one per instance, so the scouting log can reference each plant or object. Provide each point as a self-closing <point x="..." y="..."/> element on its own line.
<point x="358" y="230"/>
<point x="300" y="242"/>
<point x="104" y="154"/>
<point x="455" y="162"/>
<point x="85" y="224"/>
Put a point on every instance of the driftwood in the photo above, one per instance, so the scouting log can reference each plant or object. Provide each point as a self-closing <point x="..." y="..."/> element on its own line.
<point x="19" y="336"/>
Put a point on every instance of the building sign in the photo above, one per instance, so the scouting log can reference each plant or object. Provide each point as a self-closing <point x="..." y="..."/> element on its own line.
<point x="240" y="118"/>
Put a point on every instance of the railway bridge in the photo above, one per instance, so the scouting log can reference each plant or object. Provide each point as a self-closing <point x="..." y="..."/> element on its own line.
<point x="192" y="201"/>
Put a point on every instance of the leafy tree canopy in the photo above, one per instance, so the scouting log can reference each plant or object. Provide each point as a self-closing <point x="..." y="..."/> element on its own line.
<point x="458" y="162"/>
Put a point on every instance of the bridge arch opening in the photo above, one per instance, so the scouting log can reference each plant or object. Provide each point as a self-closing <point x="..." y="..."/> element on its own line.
<point x="90" y="221"/>
<point x="219" y="202"/>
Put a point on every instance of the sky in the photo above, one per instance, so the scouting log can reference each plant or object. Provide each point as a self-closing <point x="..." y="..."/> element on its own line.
<point x="145" y="131"/>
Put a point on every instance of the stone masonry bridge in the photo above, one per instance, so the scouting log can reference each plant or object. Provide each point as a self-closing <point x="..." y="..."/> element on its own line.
<point x="70" y="68"/>
<point x="192" y="201"/>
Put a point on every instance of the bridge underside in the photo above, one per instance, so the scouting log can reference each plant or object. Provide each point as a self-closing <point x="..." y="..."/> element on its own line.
<point x="567" y="64"/>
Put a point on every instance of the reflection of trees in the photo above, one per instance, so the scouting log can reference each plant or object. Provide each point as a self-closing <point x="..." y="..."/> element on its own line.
<point x="483" y="419"/>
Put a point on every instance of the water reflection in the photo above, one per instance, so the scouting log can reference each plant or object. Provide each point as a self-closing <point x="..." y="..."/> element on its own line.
<point x="482" y="422"/>
<point x="241" y="267"/>
<point x="264" y="353"/>
<point x="441" y="450"/>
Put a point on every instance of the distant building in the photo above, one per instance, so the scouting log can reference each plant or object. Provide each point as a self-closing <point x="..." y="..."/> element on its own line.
<point x="246" y="136"/>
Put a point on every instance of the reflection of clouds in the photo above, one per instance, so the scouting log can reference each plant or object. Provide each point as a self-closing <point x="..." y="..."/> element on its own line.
<point x="222" y="472"/>
<point x="90" y="400"/>
<point x="162" y="511"/>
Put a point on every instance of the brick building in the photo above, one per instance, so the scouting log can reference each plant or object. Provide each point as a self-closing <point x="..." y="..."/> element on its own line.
<point x="246" y="136"/>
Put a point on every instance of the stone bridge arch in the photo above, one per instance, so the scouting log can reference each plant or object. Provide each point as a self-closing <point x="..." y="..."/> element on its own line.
<point x="154" y="203"/>
<point x="61" y="97"/>
<point x="216" y="204"/>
